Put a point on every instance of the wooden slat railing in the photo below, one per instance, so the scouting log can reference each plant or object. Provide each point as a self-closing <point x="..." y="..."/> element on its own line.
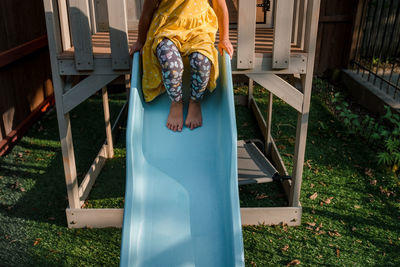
<point x="117" y="20"/>
<point x="246" y="34"/>
<point x="282" y="34"/>
<point x="81" y="34"/>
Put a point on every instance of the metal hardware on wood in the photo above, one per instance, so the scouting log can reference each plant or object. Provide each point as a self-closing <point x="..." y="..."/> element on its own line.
<point x="266" y="5"/>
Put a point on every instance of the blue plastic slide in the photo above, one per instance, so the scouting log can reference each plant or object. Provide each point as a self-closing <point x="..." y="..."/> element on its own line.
<point x="181" y="199"/>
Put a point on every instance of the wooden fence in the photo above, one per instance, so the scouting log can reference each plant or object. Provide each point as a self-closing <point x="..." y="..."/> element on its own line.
<point x="24" y="84"/>
<point x="335" y="32"/>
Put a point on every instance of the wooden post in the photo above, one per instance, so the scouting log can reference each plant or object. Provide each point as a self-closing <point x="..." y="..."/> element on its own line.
<point x="117" y="20"/>
<point x="282" y="34"/>
<point x="107" y="120"/>
<point x="302" y="24"/>
<point x="295" y="25"/>
<point x="65" y="32"/>
<point x="81" y="34"/>
<point x="302" y="119"/>
<point x="250" y="92"/>
<point x="268" y="136"/>
<point x="246" y="34"/>
<point x="92" y="13"/>
<point x="64" y="125"/>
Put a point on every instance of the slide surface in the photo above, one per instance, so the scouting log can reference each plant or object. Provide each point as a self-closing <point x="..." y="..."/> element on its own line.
<point x="181" y="199"/>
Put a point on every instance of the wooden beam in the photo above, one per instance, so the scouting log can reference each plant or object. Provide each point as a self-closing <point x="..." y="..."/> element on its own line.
<point x="271" y="216"/>
<point x="92" y="174"/>
<point x="64" y="24"/>
<point x="64" y="123"/>
<point x="263" y="64"/>
<point x="303" y="115"/>
<point x="103" y="67"/>
<point x="13" y="54"/>
<point x="295" y="22"/>
<point x="282" y="34"/>
<point x="246" y="34"/>
<point x="280" y="88"/>
<point x="92" y="13"/>
<point x="250" y="92"/>
<point x="118" y="28"/>
<point x="102" y="218"/>
<point x="84" y="90"/>
<point x="107" y="121"/>
<point x="302" y="24"/>
<point x="81" y="34"/>
<point x="94" y="218"/>
<point x="268" y="134"/>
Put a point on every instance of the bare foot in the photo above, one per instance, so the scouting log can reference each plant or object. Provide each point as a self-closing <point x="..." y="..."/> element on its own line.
<point x="194" y="118"/>
<point x="175" y="117"/>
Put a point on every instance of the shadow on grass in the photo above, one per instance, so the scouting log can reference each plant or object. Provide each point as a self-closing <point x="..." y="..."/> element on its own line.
<point x="33" y="194"/>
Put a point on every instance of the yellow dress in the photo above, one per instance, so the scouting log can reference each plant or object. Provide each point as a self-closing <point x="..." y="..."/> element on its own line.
<point x="191" y="25"/>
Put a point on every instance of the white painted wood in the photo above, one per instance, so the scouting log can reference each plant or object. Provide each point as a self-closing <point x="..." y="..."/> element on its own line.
<point x="302" y="23"/>
<point x="134" y="9"/>
<point x="246" y="34"/>
<point x="302" y="120"/>
<point x="64" y="24"/>
<point x="90" y="177"/>
<point x="118" y="34"/>
<point x="107" y="121"/>
<point x="268" y="135"/>
<point x="282" y="34"/>
<point x="250" y="92"/>
<point x="85" y="89"/>
<point x="263" y="64"/>
<point x="94" y="218"/>
<point x="100" y="7"/>
<point x="101" y="218"/>
<point x="271" y="216"/>
<point x="103" y="67"/>
<point x="280" y="88"/>
<point x="64" y="125"/>
<point x="277" y="159"/>
<point x="295" y="22"/>
<point x="92" y="13"/>
<point x="81" y="34"/>
<point x="270" y="15"/>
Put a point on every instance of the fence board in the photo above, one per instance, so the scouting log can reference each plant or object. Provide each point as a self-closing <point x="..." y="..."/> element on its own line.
<point x="335" y="34"/>
<point x="22" y="36"/>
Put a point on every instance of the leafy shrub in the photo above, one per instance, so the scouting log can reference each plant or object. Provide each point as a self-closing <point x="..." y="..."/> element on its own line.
<point x="384" y="134"/>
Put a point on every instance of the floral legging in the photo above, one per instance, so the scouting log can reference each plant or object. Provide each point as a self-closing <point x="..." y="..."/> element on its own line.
<point x="172" y="71"/>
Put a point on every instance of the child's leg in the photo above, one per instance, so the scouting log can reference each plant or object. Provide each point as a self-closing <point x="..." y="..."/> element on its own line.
<point x="172" y="70"/>
<point x="200" y="74"/>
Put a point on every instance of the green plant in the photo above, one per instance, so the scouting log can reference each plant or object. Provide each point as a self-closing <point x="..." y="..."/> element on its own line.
<point x="384" y="134"/>
<point x="391" y="157"/>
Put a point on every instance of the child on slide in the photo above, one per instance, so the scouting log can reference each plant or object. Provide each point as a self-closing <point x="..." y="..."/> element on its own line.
<point x="170" y="29"/>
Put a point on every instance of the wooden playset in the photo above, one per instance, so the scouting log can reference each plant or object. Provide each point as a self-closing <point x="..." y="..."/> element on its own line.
<point x="89" y="43"/>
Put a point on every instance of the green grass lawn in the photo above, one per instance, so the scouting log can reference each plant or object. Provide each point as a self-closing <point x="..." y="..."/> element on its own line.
<point x="353" y="221"/>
